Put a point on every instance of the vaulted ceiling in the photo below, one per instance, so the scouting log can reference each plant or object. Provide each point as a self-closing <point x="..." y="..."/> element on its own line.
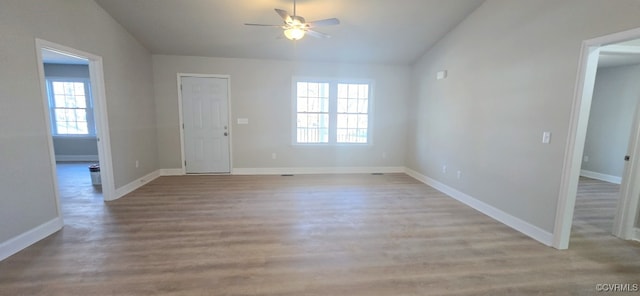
<point x="371" y="31"/>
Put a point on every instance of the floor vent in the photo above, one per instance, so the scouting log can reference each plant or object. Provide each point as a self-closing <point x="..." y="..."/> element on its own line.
<point x="377" y="174"/>
<point x="286" y="175"/>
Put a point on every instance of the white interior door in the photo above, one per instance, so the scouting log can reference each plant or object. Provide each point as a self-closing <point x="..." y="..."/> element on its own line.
<point x="206" y="121"/>
<point x="627" y="211"/>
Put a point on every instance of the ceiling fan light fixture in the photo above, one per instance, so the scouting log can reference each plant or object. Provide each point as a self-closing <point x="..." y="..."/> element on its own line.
<point x="294" y="33"/>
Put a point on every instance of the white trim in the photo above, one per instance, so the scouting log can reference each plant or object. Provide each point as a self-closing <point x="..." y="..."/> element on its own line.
<point x="22" y="241"/>
<point x="601" y="177"/>
<point x="77" y="158"/>
<point x="518" y="224"/>
<point x="574" y="149"/>
<point x="181" y="118"/>
<point x="620" y="49"/>
<point x="316" y="170"/>
<point x="171" y="172"/>
<point x="126" y="189"/>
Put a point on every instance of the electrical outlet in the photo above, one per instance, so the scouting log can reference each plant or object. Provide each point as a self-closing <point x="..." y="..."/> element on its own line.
<point x="586" y="158"/>
<point x="137" y="164"/>
<point x="444" y="169"/>
<point x="459" y="174"/>
<point x="384" y="155"/>
<point x="273" y="156"/>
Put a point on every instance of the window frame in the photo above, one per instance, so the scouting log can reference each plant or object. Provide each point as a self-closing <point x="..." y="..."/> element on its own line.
<point x="91" y="127"/>
<point x="333" y="109"/>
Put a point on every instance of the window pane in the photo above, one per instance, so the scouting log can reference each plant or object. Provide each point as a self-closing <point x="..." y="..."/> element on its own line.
<point x="342" y="105"/>
<point x="342" y="121"/>
<point x="353" y="106"/>
<point x="58" y="88"/>
<point x="343" y="91"/>
<point x="302" y="120"/>
<point x="324" y="121"/>
<point x="60" y="115"/>
<point x="363" y="106"/>
<point x="59" y="100"/>
<point x="363" y="92"/>
<point x="353" y="91"/>
<point x="302" y="104"/>
<point x="70" y="114"/>
<point x="69" y="88"/>
<point x="81" y="115"/>
<point x="70" y="102"/>
<point x="83" y="128"/>
<point x="61" y="127"/>
<point x="324" y="90"/>
<point x="353" y="121"/>
<point x="363" y="121"/>
<point x="79" y="89"/>
<point x="302" y="89"/>
<point x="324" y="104"/>
<point x="313" y="90"/>
<point x="80" y="102"/>
<point x="314" y="105"/>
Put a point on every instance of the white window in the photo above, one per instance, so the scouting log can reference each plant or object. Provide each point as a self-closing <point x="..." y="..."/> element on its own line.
<point x="331" y="111"/>
<point x="71" y="107"/>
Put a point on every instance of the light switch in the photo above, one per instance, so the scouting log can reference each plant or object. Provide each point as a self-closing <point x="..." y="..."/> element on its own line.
<point x="441" y="75"/>
<point x="243" y="120"/>
<point x="546" y="137"/>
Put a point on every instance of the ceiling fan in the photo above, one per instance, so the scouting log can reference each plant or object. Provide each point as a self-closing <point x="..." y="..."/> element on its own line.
<point x="295" y="27"/>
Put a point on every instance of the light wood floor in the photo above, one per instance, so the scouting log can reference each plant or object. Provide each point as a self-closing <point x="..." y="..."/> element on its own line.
<point x="312" y="235"/>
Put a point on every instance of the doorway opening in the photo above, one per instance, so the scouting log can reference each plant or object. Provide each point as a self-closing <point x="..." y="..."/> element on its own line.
<point x="626" y="207"/>
<point x="74" y="103"/>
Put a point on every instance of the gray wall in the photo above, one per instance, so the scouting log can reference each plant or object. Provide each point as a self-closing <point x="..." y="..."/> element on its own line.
<point x="27" y="196"/>
<point x="615" y="97"/>
<point x="512" y="70"/>
<point x="71" y="146"/>
<point x="261" y="92"/>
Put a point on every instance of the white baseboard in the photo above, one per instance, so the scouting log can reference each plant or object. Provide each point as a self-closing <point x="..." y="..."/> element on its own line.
<point x="126" y="189"/>
<point x="518" y="224"/>
<point x="77" y="158"/>
<point x="171" y="172"/>
<point x="316" y="170"/>
<point x="601" y="177"/>
<point x="30" y="237"/>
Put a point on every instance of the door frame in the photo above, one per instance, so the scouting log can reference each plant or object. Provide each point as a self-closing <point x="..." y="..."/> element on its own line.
<point x="181" y="116"/>
<point x="581" y="107"/>
<point x="96" y="78"/>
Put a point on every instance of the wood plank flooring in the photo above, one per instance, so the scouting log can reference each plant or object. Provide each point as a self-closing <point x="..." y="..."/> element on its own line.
<point x="312" y="235"/>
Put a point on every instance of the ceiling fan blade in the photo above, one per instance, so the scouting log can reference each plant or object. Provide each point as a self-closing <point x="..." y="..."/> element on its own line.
<point x="262" y="25"/>
<point x="317" y="34"/>
<point x="284" y="15"/>
<point x="325" y="22"/>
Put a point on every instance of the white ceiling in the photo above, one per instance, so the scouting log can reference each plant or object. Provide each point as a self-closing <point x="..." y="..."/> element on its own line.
<point x="371" y="31"/>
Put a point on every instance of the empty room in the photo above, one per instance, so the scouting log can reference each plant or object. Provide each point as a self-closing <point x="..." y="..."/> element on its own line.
<point x="319" y="147"/>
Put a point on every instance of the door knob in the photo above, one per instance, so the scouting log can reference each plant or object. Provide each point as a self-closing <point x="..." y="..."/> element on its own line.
<point x="226" y="134"/>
